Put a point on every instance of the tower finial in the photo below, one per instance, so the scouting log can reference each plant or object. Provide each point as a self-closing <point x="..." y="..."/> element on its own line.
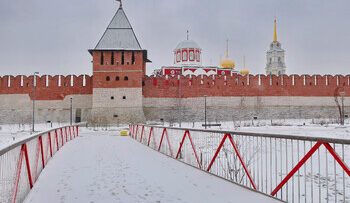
<point x="244" y="63"/>
<point x="275" y="33"/>
<point x="227" y="48"/>
<point x="121" y="4"/>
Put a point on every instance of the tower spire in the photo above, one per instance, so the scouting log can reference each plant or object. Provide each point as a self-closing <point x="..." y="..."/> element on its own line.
<point x="275" y="33"/>
<point x="227" y="48"/>
<point x="244" y="63"/>
<point x="121" y="4"/>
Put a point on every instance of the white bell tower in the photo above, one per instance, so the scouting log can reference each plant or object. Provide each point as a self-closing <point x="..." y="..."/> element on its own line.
<point x="275" y="62"/>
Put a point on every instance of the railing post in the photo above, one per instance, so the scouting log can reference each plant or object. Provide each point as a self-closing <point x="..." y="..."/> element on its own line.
<point x="150" y="133"/>
<point x="70" y="133"/>
<point x="28" y="166"/>
<point x="62" y="138"/>
<point x="65" y="129"/>
<point x="50" y="143"/>
<point x="137" y="129"/>
<point x="161" y="139"/>
<point x="42" y="151"/>
<point x="56" y="140"/>
<point x="142" y="131"/>
<point x="73" y="132"/>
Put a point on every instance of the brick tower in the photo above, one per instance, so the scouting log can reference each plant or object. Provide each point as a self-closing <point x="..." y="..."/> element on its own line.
<point x="119" y="64"/>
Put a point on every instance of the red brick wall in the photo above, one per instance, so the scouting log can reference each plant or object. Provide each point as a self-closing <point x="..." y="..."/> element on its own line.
<point x="134" y="72"/>
<point x="238" y="86"/>
<point x="43" y="92"/>
<point x="162" y="88"/>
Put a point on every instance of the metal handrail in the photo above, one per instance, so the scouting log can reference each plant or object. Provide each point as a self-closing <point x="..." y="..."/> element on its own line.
<point x="264" y="162"/>
<point x="5" y="149"/>
<point x="267" y="135"/>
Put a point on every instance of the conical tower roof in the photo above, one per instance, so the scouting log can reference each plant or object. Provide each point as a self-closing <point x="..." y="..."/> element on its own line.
<point x="119" y="35"/>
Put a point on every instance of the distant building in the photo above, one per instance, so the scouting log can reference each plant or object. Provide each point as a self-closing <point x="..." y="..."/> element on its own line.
<point x="275" y="63"/>
<point x="188" y="61"/>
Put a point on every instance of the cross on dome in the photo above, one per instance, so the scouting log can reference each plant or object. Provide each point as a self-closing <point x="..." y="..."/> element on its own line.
<point x="121" y="4"/>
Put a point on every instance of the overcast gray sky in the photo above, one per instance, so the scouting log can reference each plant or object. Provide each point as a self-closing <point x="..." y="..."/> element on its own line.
<point x="53" y="36"/>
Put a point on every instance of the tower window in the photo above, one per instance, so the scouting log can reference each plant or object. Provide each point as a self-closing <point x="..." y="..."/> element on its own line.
<point x="112" y="58"/>
<point x="279" y="59"/>
<point x="191" y="56"/>
<point x="112" y="98"/>
<point x="108" y="78"/>
<point x="270" y="60"/>
<point x="126" y="78"/>
<point x="184" y="56"/>
<point x="133" y="58"/>
<point x="123" y="58"/>
<point x="102" y="61"/>
<point x="117" y="78"/>
<point x="124" y="97"/>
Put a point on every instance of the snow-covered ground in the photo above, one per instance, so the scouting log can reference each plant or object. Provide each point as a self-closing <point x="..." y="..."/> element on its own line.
<point x="107" y="168"/>
<point x="14" y="132"/>
<point x="302" y="127"/>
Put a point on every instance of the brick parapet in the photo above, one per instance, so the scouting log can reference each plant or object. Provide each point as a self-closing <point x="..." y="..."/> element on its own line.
<point x="47" y="87"/>
<point x="252" y="85"/>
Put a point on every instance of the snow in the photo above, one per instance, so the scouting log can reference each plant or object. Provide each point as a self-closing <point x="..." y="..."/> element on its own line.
<point x="11" y="133"/>
<point x="103" y="167"/>
<point x="327" y="128"/>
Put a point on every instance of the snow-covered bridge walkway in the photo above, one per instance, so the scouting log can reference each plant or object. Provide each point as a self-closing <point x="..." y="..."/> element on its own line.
<point x="98" y="167"/>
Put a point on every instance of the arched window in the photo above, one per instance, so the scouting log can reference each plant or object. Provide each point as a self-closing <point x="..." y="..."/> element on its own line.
<point x="270" y="60"/>
<point x="112" y="58"/>
<point x="108" y="78"/>
<point x="191" y="56"/>
<point x="184" y="56"/>
<point x="197" y="56"/>
<point x="117" y="78"/>
<point x="279" y="59"/>
<point x="178" y="56"/>
<point x="126" y="78"/>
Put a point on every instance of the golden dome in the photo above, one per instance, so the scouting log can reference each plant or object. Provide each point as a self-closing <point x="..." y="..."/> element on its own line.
<point x="244" y="72"/>
<point x="227" y="63"/>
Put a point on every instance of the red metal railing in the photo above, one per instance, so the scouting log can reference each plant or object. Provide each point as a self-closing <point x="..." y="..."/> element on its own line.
<point x="290" y="168"/>
<point x="20" y="165"/>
